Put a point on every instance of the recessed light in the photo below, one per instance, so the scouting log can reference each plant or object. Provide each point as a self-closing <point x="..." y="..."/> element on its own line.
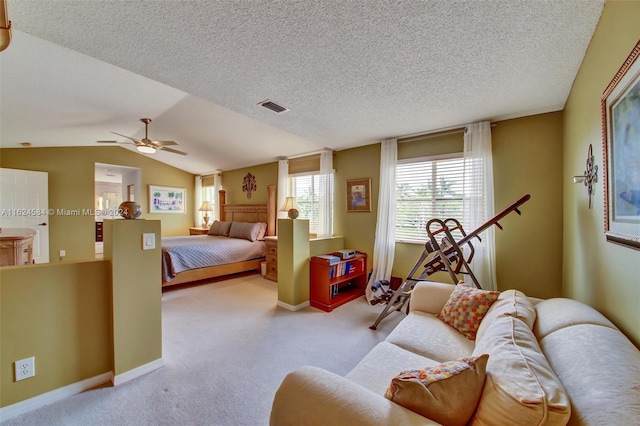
<point x="25" y="144"/>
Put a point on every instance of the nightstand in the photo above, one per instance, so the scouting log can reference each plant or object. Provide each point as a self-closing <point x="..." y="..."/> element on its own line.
<point x="198" y="231"/>
<point x="272" y="258"/>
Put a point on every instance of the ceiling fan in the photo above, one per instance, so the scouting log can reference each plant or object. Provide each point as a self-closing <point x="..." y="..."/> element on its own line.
<point x="146" y="145"/>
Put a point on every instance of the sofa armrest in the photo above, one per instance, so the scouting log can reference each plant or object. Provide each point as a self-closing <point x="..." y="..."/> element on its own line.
<point x="430" y="296"/>
<point x="313" y="396"/>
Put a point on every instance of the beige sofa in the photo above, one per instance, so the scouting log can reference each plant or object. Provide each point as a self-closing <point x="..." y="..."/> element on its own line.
<point x="588" y="372"/>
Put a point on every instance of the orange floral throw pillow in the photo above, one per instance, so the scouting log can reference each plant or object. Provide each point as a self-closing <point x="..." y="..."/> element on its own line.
<point x="466" y="307"/>
<point x="447" y="393"/>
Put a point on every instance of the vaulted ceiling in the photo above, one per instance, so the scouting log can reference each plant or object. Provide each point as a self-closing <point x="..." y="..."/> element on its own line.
<point x="350" y="72"/>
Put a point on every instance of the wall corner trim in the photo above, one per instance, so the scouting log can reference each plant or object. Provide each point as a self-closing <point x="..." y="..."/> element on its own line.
<point x="293" y="308"/>
<point x="137" y="372"/>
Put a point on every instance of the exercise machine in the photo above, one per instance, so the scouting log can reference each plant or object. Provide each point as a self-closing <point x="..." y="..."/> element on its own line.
<point x="441" y="253"/>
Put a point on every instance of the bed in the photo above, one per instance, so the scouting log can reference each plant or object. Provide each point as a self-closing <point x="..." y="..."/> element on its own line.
<point x="186" y="259"/>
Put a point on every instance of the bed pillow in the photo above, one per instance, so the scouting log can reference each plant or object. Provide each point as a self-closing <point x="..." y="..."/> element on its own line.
<point x="447" y="393"/>
<point x="466" y="307"/>
<point x="245" y="230"/>
<point x="220" y="229"/>
<point x="263" y="231"/>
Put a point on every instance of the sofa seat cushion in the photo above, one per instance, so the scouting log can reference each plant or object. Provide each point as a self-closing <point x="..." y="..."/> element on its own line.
<point x="520" y="387"/>
<point x="376" y="370"/>
<point x="447" y="393"/>
<point x="512" y="303"/>
<point x="554" y="314"/>
<point x="600" y="368"/>
<point x="426" y="335"/>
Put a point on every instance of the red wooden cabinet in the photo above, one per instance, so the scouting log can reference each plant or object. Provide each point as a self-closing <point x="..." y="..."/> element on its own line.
<point x="334" y="282"/>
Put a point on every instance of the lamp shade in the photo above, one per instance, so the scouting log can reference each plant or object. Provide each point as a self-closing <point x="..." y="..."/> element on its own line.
<point x="291" y="207"/>
<point x="206" y="207"/>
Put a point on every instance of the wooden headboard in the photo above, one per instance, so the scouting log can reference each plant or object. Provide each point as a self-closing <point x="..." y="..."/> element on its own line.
<point x="250" y="212"/>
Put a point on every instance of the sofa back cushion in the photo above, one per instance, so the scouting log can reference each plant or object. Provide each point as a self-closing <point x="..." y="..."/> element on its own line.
<point x="512" y="303"/>
<point x="520" y="387"/>
<point x="557" y="313"/>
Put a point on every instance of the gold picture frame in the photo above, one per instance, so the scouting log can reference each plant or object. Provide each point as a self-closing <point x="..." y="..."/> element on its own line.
<point x="620" y="107"/>
<point x="359" y="195"/>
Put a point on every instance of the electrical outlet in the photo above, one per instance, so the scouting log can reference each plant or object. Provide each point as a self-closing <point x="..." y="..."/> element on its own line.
<point x="25" y="368"/>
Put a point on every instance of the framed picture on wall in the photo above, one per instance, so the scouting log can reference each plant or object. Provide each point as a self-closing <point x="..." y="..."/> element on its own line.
<point x="621" y="146"/>
<point x="166" y="199"/>
<point x="359" y="195"/>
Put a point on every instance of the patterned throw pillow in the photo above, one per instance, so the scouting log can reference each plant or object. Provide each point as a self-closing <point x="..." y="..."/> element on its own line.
<point x="466" y="307"/>
<point x="447" y="393"/>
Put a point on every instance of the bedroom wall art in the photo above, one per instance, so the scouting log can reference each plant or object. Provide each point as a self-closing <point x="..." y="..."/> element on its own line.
<point x="359" y="195"/>
<point x="166" y="199"/>
<point x="249" y="184"/>
<point x="620" y="105"/>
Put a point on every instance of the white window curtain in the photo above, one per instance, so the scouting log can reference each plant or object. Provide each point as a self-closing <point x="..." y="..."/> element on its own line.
<point x="283" y="187"/>
<point x="325" y="213"/>
<point x="217" y="186"/>
<point x="198" y="216"/>
<point x="385" y="242"/>
<point x="478" y="200"/>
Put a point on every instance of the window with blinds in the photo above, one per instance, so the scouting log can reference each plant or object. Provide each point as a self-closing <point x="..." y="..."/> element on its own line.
<point x="305" y="188"/>
<point x="427" y="188"/>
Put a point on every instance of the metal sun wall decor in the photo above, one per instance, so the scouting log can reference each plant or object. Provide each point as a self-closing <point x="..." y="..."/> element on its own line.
<point x="589" y="176"/>
<point x="249" y="184"/>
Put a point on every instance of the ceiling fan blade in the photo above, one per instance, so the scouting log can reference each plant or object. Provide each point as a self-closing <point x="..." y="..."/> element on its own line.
<point x="128" y="137"/>
<point x="162" y="143"/>
<point x="106" y="141"/>
<point x="175" y="151"/>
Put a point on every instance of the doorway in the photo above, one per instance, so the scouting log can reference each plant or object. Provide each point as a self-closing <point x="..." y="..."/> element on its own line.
<point x="113" y="185"/>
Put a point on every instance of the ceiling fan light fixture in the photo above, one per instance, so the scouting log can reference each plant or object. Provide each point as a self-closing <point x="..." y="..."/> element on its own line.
<point x="146" y="149"/>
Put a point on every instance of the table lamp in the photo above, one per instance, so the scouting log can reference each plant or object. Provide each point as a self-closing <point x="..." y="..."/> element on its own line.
<point x="291" y="207"/>
<point x="206" y="207"/>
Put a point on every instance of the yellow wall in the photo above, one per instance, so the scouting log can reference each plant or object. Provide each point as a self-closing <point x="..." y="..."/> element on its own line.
<point x="136" y="277"/>
<point x="527" y="160"/>
<point x="599" y="273"/>
<point x="53" y="312"/>
<point x="265" y="174"/>
<point x="71" y="186"/>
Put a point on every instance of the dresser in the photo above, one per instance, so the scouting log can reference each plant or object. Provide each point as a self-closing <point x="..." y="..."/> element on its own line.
<point x="272" y="258"/>
<point x="16" y="246"/>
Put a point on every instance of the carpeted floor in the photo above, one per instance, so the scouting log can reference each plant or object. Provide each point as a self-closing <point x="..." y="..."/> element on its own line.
<point x="226" y="348"/>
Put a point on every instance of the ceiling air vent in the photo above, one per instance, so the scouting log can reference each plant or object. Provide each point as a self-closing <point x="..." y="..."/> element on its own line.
<point x="270" y="105"/>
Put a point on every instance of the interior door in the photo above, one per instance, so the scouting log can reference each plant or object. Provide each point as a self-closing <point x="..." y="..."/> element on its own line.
<point x="24" y="203"/>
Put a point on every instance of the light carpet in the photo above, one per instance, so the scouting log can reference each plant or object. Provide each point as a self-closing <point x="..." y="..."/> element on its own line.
<point x="226" y="348"/>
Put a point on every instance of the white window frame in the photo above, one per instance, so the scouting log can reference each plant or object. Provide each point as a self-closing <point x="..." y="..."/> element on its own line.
<point x="312" y="228"/>
<point x="431" y="159"/>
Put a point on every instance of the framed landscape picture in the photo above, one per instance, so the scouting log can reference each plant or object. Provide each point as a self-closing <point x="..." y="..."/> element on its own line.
<point x="166" y="199"/>
<point x="359" y="195"/>
<point x="621" y="146"/>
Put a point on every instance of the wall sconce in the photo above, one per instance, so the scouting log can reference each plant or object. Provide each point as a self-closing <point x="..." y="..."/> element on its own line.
<point x="206" y="208"/>
<point x="589" y="176"/>
<point x="291" y="207"/>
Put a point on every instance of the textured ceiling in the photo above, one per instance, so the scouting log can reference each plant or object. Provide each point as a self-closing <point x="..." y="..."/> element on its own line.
<point x="351" y="72"/>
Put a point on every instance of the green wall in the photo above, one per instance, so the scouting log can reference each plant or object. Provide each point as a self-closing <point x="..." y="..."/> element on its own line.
<point x="265" y="174"/>
<point x="71" y="186"/>
<point x="53" y="312"/>
<point x="601" y="274"/>
<point x="527" y="160"/>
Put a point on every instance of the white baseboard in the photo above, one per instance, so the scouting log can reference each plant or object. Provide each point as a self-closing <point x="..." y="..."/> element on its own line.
<point x="137" y="372"/>
<point x="13" y="410"/>
<point x="293" y="308"/>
